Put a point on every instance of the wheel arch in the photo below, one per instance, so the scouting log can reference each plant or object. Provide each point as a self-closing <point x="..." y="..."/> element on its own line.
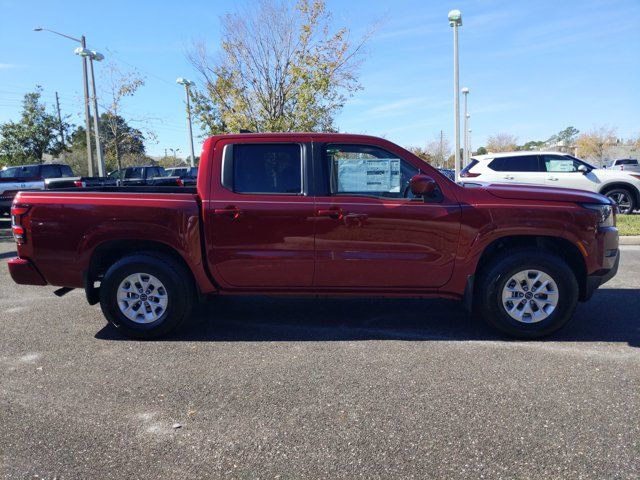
<point x="556" y="245"/>
<point x="620" y="184"/>
<point x="109" y="252"/>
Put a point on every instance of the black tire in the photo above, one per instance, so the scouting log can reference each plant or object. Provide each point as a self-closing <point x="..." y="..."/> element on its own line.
<point x="176" y="280"/>
<point x="616" y="194"/>
<point x="494" y="277"/>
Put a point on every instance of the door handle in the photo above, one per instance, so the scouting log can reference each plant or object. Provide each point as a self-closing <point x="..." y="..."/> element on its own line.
<point x="508" y="177"/>
<point x="335" y="213"/>
<point x="555" y="179"/>
<point x="234" y="212"/>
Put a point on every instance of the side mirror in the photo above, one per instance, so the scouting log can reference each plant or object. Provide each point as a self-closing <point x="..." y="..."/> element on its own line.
<point x="423" y="186"/>
<point x="583" y="169"/>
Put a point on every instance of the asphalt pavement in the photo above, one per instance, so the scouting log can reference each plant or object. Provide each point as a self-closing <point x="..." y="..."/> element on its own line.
<point x="308" y="388"/>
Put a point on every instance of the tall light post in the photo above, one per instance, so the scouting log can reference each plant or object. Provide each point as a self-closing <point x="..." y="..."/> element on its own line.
<point x="465" y="160"/>
<point x="455" y="21"/>
<point x="98" y="57"/>
<point x="187" y="84"/>
<point x="175" y="156"/>
<point x="87" y="114"/>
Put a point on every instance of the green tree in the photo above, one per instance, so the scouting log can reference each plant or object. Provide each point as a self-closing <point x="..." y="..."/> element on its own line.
<point x="532" y="145"/>
<point x="37" y="132"/>
<point x="481" y="151"/>
<point x="282" y="67"/>
<point x="566" y="137"/>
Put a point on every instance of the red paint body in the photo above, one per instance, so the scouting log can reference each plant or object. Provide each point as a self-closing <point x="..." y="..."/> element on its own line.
<point x="307" y="244"/>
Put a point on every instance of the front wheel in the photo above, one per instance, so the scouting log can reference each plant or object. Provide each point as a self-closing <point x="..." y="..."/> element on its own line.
<point x="146" y="295"/>
<point x="623" y="198"/>
<point x="527" y="293"/>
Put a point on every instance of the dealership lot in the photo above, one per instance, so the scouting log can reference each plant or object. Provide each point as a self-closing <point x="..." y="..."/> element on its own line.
<point x="262" y="388"/>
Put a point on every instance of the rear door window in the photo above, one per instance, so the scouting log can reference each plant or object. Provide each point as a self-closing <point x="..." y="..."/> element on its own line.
<point x="274" y="168"/>
<point x="519" y="163"/>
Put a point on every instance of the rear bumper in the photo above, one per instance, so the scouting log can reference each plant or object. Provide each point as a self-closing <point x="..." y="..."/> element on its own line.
<point x="24" y="272"/>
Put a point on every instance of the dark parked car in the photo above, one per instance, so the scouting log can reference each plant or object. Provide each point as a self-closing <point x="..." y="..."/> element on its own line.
<point x="146" y="175"/>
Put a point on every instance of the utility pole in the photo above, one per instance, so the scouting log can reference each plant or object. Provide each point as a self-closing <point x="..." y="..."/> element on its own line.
<point x="60" y="126"/>
<point x="441" y="149"/>
<point x="187" y="84"/>
<point x="83" y="52"/>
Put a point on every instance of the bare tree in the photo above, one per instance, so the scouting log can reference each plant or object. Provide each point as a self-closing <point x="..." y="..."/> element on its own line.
<point x="282" y="67"/>
<point x="593" y="145"/>
<point x="118" y="137"/>
<point x="502" y="142"/>
<point x="439" y="150"/>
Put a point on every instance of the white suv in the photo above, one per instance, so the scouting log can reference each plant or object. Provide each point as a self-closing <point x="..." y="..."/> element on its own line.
<point x="555" y="169"/>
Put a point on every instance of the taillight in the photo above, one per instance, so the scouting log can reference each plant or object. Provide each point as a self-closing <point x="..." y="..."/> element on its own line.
<point x="17" y="211"/>
<point x="469" y="174"/>
<point x="79" y="183"/>
<point x="179" y="182"/>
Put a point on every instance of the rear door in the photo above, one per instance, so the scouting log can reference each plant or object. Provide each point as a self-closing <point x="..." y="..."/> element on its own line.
<point x="260" y="219"/>
<point x="370" y="232"/>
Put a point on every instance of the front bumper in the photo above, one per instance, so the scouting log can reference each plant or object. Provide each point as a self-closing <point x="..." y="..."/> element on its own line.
<point x="607" y="258"/>
<point x="24" y="272"/>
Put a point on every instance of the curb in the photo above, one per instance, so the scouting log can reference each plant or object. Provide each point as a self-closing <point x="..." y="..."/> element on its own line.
<point x="630" y="240"/>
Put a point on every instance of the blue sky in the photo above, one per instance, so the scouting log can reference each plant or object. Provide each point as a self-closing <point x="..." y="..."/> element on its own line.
<point x="533" y="67"/>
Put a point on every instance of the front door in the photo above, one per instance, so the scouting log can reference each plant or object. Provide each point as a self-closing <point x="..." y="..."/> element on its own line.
<point x="563" y="172"/>
<point x="370" y="232"/>
<point x="259" y="222"/>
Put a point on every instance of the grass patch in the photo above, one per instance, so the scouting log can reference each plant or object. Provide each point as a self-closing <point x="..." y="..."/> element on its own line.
<point x="628" y="224"/>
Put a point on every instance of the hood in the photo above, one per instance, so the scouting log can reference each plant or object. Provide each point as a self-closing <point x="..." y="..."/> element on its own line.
<point x="549" y="194"/>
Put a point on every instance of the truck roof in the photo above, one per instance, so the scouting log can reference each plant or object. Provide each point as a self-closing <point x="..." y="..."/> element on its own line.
<point x="301" y="135"/>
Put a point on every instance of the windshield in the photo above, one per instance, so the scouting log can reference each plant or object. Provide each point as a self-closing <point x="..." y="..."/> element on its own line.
<point x="20" y="172"/>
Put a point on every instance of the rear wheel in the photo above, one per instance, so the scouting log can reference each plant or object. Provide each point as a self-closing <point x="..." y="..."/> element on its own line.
<point x="623" y="198"/>
<point x="146" y="295"/>
<point x="527" y="293"/>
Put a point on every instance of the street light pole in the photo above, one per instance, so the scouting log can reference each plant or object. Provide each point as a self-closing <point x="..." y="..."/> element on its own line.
<point x="85" y="81"/>
<point x="96" y="119"/>
<point x="455" y="20"/>
<point x="187" y="84"/>
<point x="465" y="160"/>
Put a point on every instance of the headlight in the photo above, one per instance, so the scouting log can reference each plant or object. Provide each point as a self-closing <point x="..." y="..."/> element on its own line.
<point x="606" y="216"/>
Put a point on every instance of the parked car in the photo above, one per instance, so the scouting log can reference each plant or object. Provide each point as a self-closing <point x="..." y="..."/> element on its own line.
<point x="188" y="175"/>
<point x="625" y="164"/>
<point x="146" y="175"/>
<point x="318" y="214"/>
<point x="27" y="177"/>
<point x="555" y="169"/>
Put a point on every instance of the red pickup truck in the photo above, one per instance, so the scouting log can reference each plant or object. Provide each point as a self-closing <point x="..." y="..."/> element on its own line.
<point x="324" y="215"/>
